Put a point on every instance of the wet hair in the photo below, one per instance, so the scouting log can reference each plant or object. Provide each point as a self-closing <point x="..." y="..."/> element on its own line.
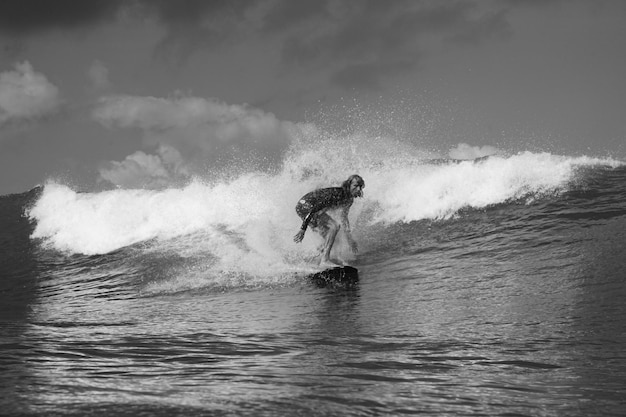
<point x="346" y="184"/>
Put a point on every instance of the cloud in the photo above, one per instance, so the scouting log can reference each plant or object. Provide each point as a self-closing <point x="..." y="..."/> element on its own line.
<point x="208" y="133"/>
<point x="26" y="95"/>
<point x="355" y="43"/>
<point x="141" y="170"/>
<point x="217" y="122"/>
<point x="189" y="24"/>
<point x="22" y="17"/>
<point x="376" y="37"/>
<point x="361" y="42"/>
<point x="98" y="74"/>
<point x="489" y="24"/>
<point x="465" y="151"/>
<point x="314" y="29"/>
<point x="368" y="76"/>
<point x="195" y="24"/>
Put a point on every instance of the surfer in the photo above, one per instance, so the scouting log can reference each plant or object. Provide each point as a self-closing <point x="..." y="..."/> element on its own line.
<point x="312" y="209"/>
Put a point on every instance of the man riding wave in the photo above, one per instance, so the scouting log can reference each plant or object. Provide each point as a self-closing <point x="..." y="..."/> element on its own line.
<point x="312" y="209"/>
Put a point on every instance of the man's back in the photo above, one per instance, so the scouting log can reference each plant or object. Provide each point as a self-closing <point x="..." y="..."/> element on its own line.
<point x="326" y="198"/>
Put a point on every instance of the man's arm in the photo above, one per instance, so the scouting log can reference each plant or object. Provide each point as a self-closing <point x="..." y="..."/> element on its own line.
<point x="300" y="235"/>
<point x="306" y="221"/>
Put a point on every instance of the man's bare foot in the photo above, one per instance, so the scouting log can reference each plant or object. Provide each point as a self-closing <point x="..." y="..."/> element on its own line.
<point x="327" y="263"/>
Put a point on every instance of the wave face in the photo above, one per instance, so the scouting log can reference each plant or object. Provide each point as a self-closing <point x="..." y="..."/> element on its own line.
<point x="499" y="276"/>
<point x="245" y="224"/>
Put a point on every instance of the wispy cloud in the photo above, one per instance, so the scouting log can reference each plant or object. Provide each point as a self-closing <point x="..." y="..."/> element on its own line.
<point x="147" y="171"/>
<point x="207" y="133"/>
<point x="26" y="95"/>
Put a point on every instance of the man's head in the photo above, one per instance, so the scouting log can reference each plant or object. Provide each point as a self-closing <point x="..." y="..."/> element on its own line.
<point x="354" y="185"/>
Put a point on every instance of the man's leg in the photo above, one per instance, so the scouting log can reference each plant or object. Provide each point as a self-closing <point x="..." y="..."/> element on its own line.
<point x="329" y="229"/>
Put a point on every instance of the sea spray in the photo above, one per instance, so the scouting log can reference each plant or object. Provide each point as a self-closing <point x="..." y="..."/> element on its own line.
<point x="440" y="190"/>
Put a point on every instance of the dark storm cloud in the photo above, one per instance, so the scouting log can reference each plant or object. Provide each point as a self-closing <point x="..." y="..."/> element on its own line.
<point x="357" y="42"/>
<point x="26" y="16"/>
<point x="196" y="24"/>
<point x="19" y="17"/>
<point x="364" y="41"/>
<point x="184" y="12"/>
<point x="190" y="24"/>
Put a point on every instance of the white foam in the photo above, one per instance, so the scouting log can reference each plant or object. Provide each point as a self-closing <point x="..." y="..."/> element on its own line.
<point x="438" y="191"/>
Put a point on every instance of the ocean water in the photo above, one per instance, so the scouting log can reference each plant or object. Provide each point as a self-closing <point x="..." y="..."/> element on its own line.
<point x="487" y="287"/>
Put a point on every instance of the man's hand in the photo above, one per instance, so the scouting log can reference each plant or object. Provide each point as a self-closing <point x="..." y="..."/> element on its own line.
<point x="299" y="236"/>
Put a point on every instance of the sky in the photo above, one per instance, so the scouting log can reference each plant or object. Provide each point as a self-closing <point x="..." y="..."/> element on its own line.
<point x="148" y="93"/>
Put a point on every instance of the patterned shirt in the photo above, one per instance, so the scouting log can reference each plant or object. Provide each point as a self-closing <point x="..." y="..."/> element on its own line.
<point x="319" y="200"/>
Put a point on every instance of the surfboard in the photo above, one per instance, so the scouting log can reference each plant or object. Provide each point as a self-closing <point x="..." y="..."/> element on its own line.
<point x="341" y="276"/>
